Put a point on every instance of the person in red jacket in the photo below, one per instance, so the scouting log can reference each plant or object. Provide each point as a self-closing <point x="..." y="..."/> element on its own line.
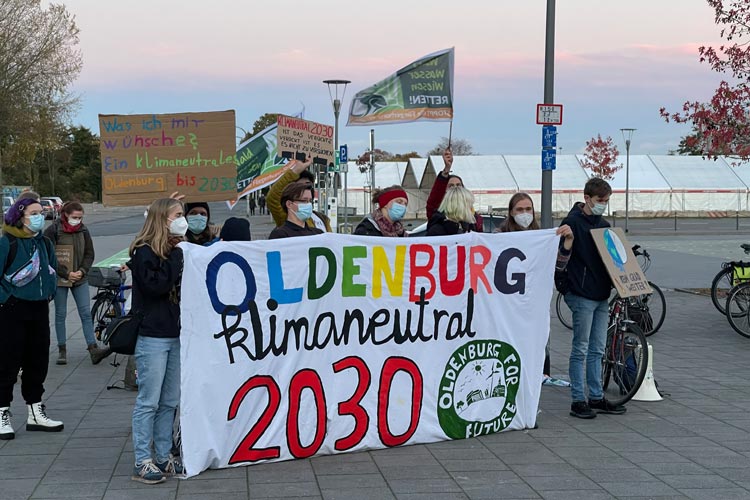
<point x="443" y="181"/>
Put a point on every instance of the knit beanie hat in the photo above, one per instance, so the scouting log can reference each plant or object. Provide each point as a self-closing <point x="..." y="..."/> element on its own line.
<point x="196" y="204"/>
<point x="235" y="229"/>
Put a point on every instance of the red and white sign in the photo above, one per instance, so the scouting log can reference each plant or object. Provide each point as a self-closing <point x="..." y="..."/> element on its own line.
<point x="549" y="114"/>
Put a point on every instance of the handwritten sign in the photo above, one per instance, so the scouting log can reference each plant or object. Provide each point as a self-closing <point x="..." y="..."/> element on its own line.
<point x="297" y="138"/>
<point x="145" y="157"/>
<point x="64" y="254"/>
<point x="622" y="266"/>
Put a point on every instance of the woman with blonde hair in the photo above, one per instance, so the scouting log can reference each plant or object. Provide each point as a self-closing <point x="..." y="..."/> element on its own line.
<point x="156" y="264"/>
<point x="455" y="215"/>
<point x="521" y="217"/>
<point x="385" y="220"/>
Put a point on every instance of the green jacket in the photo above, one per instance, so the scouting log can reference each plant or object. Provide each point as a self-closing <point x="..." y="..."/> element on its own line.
<point x="83" y="249"/>
<point x="44" y="285"/>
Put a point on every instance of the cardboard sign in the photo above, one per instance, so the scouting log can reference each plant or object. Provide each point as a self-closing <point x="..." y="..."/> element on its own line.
<point x="64" y="254"/>
<point x="622" y="266"/>
<point x="145" y="157"/>
<point x="298" y="138"/>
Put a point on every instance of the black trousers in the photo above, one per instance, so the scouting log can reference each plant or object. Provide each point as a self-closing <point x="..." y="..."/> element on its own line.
<point x="24" y="343"/>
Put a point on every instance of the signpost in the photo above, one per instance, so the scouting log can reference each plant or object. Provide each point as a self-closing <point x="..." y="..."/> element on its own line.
<point x="549" y="159"/>
<point x="549" y="114"/>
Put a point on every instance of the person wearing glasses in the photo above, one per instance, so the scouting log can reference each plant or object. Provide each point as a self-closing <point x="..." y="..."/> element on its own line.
<point x="296" y="201"/>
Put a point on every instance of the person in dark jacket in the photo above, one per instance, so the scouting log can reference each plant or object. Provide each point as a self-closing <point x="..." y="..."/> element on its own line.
<point x="156" y="264"/>
<point x="70" y="231"/>
<point x="385" y="220"/>
<point x="521" y="217"/>
<point x="444" y="181"/>
<point x="235" y="229"/>
<point x="200" y="229"/>
<point x="27" y="284"/>
<point x="455" y="214"/>
<point x="589" y="286"/>
<point x="296" y="201"/>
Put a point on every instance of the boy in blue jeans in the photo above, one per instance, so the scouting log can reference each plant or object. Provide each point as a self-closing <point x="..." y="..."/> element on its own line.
<point x="588" y="289"/>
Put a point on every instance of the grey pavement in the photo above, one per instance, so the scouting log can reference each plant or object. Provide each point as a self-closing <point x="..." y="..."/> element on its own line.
<point x="694" y="444"/>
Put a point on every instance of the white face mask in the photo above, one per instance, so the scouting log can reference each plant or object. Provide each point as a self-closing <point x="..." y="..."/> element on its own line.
<point x="74" y="222"/>
<point x="178" y="226"/>
<point x="524" y="219"/>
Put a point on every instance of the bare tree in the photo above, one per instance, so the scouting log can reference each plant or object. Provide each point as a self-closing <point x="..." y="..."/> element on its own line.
<point x="459" y="147"/>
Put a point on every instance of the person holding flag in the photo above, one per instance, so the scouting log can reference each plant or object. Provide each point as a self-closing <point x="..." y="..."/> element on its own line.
<point x="443" y="182"/>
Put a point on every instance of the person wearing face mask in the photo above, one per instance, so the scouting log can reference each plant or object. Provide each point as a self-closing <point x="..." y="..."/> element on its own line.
<point x="296" y="201"/>
<point x="156" y="263"/>
<point x="588" y="288"/>
<point x="521" y="217"/>
<point x="27" y="283"/>
<point x="444" y="181"/>
<point x="69" y="230"/>
<point x="455" y="214"/>
<point x="200" y="229"/>
<point x="298" y="172"/>
<point x="385" y="220"/>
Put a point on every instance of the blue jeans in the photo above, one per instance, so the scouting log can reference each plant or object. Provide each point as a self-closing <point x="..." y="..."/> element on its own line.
<point x="590" y="318"/>
<point x="83" y="302"/>
<point x="158" y="363"/>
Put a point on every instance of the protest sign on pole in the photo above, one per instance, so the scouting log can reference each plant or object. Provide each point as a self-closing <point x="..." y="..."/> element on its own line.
<point x="329" y="344"/>
<point x="423" y="90"/>
<point x="617" y="254"/>
<point x="258" y="162"/>
<point x="145" y="157"/>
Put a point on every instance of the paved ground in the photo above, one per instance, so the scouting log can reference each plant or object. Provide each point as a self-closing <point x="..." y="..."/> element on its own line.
<point x="694" y="444"/>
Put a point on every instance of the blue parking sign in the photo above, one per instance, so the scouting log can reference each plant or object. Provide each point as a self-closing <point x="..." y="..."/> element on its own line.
<point x="343" y="153"/>
<point x="549" y="159"/>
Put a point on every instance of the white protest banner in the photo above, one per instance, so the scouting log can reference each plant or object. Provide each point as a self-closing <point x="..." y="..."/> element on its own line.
<point x="334" y="343"/>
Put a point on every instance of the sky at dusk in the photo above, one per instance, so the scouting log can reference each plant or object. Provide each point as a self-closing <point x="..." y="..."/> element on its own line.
<point x="616" y="64"/>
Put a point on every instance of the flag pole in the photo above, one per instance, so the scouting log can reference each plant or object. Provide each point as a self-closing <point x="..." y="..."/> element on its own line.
<point x="450" y="133"/>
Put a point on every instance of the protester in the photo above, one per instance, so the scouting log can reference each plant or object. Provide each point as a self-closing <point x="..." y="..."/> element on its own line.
<point x="298" y="172"/>
<point x="69" y="230"/>
<point x="156" y="264"/>
<point x="29" y="195"/>
<point x="27" y="284"/>
<point x="521" y="217"/>
<point x="385" y="220"/>
<point x="296" y="201"/>
<point x="588" y="289"/>
<point x="200" y="229"/>
<point x="251" y="204"/>
<point x="443" y="182"/>
<point x="455" y="214"/>
<point x="235" y="229"/>
<point x="261" y="204"/>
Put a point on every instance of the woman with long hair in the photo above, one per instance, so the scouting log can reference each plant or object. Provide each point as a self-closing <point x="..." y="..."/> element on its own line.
<point x="27" y="283"/>
<point x="385" y="220"/>
<point x="156" y="264"/>
<point x="521" y="217"/>
<point x="69" y="230"/>
<point x="455" y="215"/>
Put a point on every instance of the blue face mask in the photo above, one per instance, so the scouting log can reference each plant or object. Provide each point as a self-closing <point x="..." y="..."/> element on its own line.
<point x="197" y="223"/>
<point x="397" y="212"/>
<point x="36" y="223"/>
<point x="304" y="211"/>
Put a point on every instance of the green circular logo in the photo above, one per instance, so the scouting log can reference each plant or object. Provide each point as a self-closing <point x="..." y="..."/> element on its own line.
<point x="477" y="393"/>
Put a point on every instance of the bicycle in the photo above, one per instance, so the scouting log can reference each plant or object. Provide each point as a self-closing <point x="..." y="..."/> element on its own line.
<point x="625" y="358"/>
<point x="726" y="279"/>
<point x="647" y="310"/>
<point x="738" y="308"/>
<point x="109" y="301"/>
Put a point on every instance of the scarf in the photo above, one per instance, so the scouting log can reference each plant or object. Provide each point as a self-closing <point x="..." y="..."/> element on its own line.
<point x="387" y="228"/>
<point x="67" y="228"/>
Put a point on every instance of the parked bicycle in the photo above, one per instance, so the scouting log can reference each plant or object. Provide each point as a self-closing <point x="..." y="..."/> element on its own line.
<point x="738" y="308"/>
<point x="625" y="359"/>
<point x="648" y="311"/>
<point x="732" y="274"/>
<point x="109" y="301"/>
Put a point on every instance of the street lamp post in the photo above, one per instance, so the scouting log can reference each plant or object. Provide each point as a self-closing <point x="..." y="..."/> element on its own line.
<point x="627" y="134"/>
<point x="336" y="109"/>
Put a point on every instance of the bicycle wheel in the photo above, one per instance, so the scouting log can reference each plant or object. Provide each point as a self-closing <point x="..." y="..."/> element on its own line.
<point x="648" y="311"/>
<point x="720" y="287"/>
<point x="624" y="363"/>
<point x="105" y="309"/>
<point x="738" y="309"/>
<point x="564" y="314"/>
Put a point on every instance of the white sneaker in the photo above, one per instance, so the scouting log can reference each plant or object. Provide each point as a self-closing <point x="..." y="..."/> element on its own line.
<point x="6" y="429"/>
<point x="38" y="420"/>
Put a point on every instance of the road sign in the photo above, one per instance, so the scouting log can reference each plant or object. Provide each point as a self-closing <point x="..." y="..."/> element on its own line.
<point x="344" y="153"/>
<point x="549" y="114"/>
<point x="335" y="161"/>
<point x="549" y="136"/>
<point x="549" y="159"/>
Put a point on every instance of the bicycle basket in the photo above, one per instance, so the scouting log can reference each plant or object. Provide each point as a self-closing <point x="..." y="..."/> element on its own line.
<point x="740" y="273"/>
<point x="104" y="277"/>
